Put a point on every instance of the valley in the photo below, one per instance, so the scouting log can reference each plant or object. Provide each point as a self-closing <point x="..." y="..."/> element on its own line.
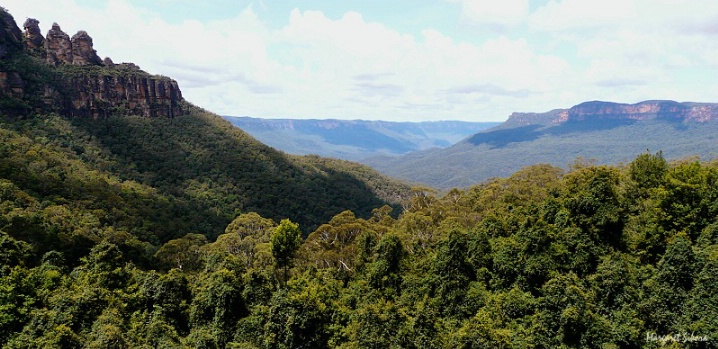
<point x="356" y="139"/>
<point x="132" y="218"/>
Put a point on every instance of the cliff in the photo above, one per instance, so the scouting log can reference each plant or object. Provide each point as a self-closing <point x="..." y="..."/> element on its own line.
<point x="64" y="74"/>
<point x="608" y="111"/>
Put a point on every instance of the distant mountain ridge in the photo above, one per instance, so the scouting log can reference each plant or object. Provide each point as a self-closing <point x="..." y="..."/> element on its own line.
<point x="607" y="132"/>
<point x="356" y="139"/>
<point x="598" y="110"/>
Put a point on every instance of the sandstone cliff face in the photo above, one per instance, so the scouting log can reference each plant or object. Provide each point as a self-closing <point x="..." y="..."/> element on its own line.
<point x="647" y="110"/>
<point x="607" y="111"/>
<point x="83" y="85"/>
<point x="128" y="93"/>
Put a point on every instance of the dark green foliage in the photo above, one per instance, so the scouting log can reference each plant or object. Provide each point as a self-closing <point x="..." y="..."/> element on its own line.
<point x="453" y="273"/>
<point x="202" y="160"/>
<point x="217" y="304"/>
<point x="559" y="260"/>
<point x="385" y="272"/>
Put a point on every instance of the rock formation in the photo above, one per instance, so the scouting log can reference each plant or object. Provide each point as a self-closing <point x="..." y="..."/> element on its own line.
<point x="33" y="36"/>
<point x="58" y="46"/>
<point x="82" y="51"/>
<point x="113" y="89"/>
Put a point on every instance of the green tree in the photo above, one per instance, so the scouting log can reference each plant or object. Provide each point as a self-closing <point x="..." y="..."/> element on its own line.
<point x="218" y="304"/>
<point x="689" y="199"/>
<point x="184" y="253"/>
<point x="648" y="172"/>
<point x="285" y="242"/>
<point x="452" y="274"/>
<point x="701" y="314"/>
<point x="385" y="272"/>
<point x="251" y="224"/>
<point x="333" y="245"/>
<point x="668" y="290"/>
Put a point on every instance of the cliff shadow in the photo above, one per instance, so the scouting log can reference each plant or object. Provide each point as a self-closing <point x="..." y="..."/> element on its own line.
<point x="502" y="138"/>
<point x="578" y="126"/>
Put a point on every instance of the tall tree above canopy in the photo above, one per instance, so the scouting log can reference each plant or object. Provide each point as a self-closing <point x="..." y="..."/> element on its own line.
<point x="285" y="242"/>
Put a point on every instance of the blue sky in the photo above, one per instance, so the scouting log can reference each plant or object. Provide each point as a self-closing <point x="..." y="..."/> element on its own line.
<point x="476" y="60"/>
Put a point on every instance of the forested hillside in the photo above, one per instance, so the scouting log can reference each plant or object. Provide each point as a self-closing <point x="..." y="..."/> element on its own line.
<point x="598" y="257"/>
<point x="73" y="123"/>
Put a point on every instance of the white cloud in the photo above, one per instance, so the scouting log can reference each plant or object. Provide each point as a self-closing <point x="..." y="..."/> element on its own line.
<point x="350" y="67"/>
<point x="501" y="13"/>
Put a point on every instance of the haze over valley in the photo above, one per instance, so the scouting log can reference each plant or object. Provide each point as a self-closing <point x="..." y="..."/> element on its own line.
<point x="131" y="217"/>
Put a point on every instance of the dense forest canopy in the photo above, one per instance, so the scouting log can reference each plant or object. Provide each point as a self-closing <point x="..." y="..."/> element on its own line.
<point x="593" y="257"/>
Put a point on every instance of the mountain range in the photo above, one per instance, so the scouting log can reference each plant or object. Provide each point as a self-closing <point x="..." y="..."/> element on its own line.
<point x="596" y="131"/>
<point x="356" y="139"/>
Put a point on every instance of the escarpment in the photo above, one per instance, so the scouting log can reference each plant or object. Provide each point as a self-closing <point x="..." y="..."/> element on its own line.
<point x="63" y="74"/>
<point x="608" y="111"/>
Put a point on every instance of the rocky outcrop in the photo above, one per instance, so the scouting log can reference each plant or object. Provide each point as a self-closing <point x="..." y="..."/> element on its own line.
<point x="82" y="51"/>
<point x="33" y="36"/>
<point x="79" y="83"/>
<point x="58" y="46"/>
<point x="12" y="84"/>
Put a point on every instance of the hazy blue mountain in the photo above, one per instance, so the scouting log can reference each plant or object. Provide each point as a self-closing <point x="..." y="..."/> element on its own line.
<point x="356" y="139"/>
<point x="604" y="132"/>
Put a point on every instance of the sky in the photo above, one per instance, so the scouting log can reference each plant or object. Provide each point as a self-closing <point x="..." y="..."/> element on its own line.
<point x="404" y="60"/>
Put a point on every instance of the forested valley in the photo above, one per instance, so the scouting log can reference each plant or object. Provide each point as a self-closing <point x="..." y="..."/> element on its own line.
<point x="151" y="223"/>
<point x="594" y="257"/>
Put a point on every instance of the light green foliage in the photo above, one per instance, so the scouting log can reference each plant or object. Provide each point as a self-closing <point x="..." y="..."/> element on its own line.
<point x="184" y="253"/>
<point x="334" y="245"/>
<point x="285" y="241"/>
